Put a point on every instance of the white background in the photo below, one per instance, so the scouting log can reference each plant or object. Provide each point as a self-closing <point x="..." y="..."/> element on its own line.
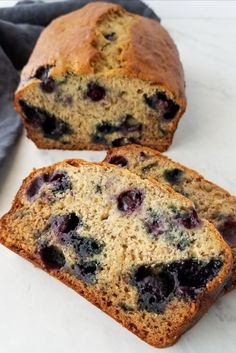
<point x="40" y="315"/>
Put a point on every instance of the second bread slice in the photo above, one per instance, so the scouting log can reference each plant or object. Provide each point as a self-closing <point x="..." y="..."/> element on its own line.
<point x="212" y="202"/>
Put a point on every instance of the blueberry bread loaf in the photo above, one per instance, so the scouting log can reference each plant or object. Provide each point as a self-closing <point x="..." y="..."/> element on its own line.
<point x="131" y="246"/>
<point x="101" y="77"/>
<point x="211" y="202"/>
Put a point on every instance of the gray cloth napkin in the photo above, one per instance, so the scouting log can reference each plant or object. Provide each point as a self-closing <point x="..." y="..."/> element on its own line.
<point x="20" y="27"/>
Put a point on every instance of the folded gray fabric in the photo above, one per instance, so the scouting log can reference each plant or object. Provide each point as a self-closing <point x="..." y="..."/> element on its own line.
<point x="42" y="14"/>
<point x="20" y="27"/>
<point x="9" y="123"/>
<point x="17" y="41"/>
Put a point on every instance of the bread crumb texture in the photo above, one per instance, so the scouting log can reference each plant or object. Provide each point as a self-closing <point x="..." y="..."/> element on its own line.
<point x="131" y="246"/>
<point x="211" y="202"/>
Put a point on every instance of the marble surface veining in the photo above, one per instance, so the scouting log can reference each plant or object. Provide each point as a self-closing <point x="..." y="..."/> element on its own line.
<point x="39" y="314"/>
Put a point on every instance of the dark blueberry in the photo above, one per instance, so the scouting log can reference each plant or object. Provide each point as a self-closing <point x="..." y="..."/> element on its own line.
<point x="183" y="244"/>
<point x="97" y="138"/>
<point x="189" y="220"/>
<point x="86" y="246"/>
<point x="110" y="36"/>
<point x="119" y="160"/>
<point x="173" y="176"/>
<point x="52" y="257"/>
<point x="122" y="141"/>
<point x="106" y="128"/>
<point x="54" y="127"/>
<point x="228" y="231"/>
<point x="194" y="274"/>
<point x="144" y="156"/>
<point x="129" y="124"/>
<point x="48" y="84"/>
<point x="128" y="201"/>
<point x="95" y="92"/>
<point x="155" y="288"/>
<point x="60" y="181"/>
<point x="159" y="102"/>
<point x="64" y="224"/>
<point x="51" y="126"/>
<point x="32" y="114"/>
<point x="131" y="140"/>
<point x="118" y="142"/>
<point x="155" y="225"/>
<point x="87" y="270"/>
<point x="35" y="185"/>
<point x="157" y="285"/>
<point x="42" y="72"/>
<point x="170" y="113"/>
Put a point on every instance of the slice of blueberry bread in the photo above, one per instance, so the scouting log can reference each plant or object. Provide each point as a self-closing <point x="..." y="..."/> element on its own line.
<point x="101" y="77"/>
<point x="211" y="201"/>
<point x="131" y="246"/>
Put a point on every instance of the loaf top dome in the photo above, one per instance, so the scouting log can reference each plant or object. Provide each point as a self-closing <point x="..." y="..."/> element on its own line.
<point x="76" y="43"/>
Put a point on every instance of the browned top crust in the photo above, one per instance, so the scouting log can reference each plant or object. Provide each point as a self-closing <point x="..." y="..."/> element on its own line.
<point x="69" y="44"/>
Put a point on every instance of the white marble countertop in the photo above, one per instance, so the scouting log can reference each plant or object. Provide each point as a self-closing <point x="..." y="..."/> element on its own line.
<point x="39" y="314"/>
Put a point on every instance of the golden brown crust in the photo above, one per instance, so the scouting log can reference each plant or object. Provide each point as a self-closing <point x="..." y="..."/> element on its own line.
<point x="145" y="61"/>
<point x="68" y="44"/>
<point x="70" y="47"/>
<point x="196" y="309"/>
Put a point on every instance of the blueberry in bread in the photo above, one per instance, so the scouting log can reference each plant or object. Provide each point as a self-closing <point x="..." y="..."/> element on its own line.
<point x="211" y="201"/>
<point x="101" y="77"/>
<point x="131" y="246"/>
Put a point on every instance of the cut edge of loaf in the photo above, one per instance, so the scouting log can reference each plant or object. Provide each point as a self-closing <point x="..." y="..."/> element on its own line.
<point x="170" y="81"/>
